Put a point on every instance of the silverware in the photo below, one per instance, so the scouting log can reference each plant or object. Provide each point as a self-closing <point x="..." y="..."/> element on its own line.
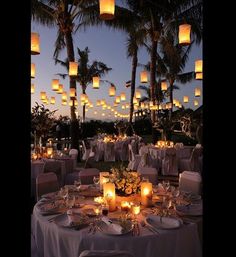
<point x="149" y="227"/>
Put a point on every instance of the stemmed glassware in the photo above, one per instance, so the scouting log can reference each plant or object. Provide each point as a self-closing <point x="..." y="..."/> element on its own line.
<point x="96" y="181"/>
<point x="77" y="184"/>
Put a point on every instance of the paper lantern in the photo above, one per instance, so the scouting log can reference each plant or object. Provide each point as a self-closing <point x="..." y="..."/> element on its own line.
<point x="127" y="105"/>
<point x="71" y="103"/>
<point x="143" y="76"/>
<point x="32" y="88"/>
<point x="198" y="66"/>
<point x="117" y="100"/>
<point x="151" y="104"/>
<point x="112" y="90"/>
<point x="43" y="95"/>
<point x="103" y="102"/>
<point x="55" y="84"/>
<point x="64" y="96"/>
<point x="122" y="96"/>
<point x="75" y="102"/>
<point x="60" y="89"/>
<point x="197" y="92"/>
<point x="135" y="101"/>
<point x="199" y="75"/>
<point x="35" y="46"/>
<point x="107" y="9"/>
<point x="184" y="34"/>
<point x="174" y="101"/>
<point x="123" y="107"/>
<point x="96" y="82"/>
<point x="64" y="102"/>
<point x="142" y="105"/>
<point x="164" y="86"/>
<point x="138" y="94"/>
<point x="33" y="70"/>
<point x="195" y="103"/>
<point x="185" y="99"/>
<point x="73" y="68"/>
<point x="72" y="92"/>
<point x="53" y="100"/>
<point x="83" y="97"/>
<point x="146" y="194"/>
<point x="98" y="103"/>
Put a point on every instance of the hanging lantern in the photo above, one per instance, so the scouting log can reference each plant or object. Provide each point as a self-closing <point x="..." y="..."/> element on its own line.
<point x="115" y="104"/>
<point x="198" y="66"/>
<point x="135" y="107"/>
<point x="32" y="88"/>
<point x="107" y="9"/>
<point x="151" y="104"/>
<point x="143" y="76"/>
<point x="127" y="105"/>
<point x="197" y="92"/>
<point x="55" y="84"/>
<point x="103" y="102"/>
<point x="73" y="68"/>
<point x="71" y="103"/>
<point x="123" y="107"/>
<point x="184" y="34"/>
<point x="60" y="89"/>
<point x="98" y="103"/>
<point x="64" y="102"/>
<point x="43" y="95"/>
<point x="86" y="99"/>
<point x="53" y="100"/>
<point x="117" y="99"/>
<point x="64" y="96"/>
<point x="174" y="101"/>
<point x="185" y="99"/>
<point x="195" y="103"/>
<point x="82" y="97"/>
<point x="199" y="75"/>
<point x="112" y="90"/>
<point x="35" y="47"/>
<point x="163" y="85"/>
<point x="32" y="70"/>
<point x="138" y="94"/>
<point x="72" y="92"/>
<point x="122" y="96"/>
<point x="75" y="102"/>
<point x="96" y="82"/>
<point x="142" y="105"/>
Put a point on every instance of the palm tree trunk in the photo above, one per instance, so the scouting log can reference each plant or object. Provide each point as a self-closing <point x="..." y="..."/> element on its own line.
<point x="74" y="125"/>
<point x="83" y="118"/>
<point x="132" y="88"/>
<point x="171" y="97"/>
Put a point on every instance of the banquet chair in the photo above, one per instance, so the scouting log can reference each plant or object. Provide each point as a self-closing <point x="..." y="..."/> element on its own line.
<point x="190" y="181"/>
<point x="73" y="153"/>
<point x="169" y="163"/>
<point x="46" y="183"/>
<point x="193" y="163"/>
<point x="56" y="167"/>
<point x="134" y="159"/>
<point x="85" y="151"/>
<point x="105" y="253"/>
<point x="109" y="153"/>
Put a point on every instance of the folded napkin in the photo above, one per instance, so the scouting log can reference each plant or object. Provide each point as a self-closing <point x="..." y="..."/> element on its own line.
<point x="115" y="228"/>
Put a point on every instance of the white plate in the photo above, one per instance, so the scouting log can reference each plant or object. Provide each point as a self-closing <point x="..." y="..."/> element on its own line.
<point x="65" y="222"/>
<point x="108" y="230"/>
<point x="164" y="223"/>
<point x="190" y="210"/>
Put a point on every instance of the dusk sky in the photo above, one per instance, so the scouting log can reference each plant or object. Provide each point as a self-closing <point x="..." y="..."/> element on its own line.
<point x="105" y="45"/>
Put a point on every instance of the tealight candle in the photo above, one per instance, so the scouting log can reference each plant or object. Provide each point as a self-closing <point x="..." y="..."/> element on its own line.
<point x="136" y="209"/>
<point x="125" y="206"/>
<point x="97" y="211"/>
<point x="146" y="194"/>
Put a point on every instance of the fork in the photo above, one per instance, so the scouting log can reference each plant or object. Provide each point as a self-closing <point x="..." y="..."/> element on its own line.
<point x="150" y="228"/>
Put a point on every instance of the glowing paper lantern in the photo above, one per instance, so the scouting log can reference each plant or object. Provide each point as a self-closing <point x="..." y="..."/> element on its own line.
<point x="55" y="84"/>
<point x="197" y="92"/>
<point x="117" y="100"/>
<point x="103" y="102"/>
<point x="127" y="105"/>
<point x="135" y="101"/>
<point x="143" y="76"/>
<point x="83" y="97"/>
<point x="122" y="96"/>
<point x="198" y="65"/>
<point x="64" y="96"/>
<point x="60" y="89"/>
<point x="96" y="82"/>
<point x="73" y="68"/>
<point x="43" y="95"/>
<point x="184" y="34"/>
<point x="163" y="85"/>
<point x="72" y="92"/>
<point x="35" y="46"/>
<point x="53" y="100"/>
<point x="32" y="88"/>
<point x="195" y="103"/>
<point x="107" y="9"/>
<point x="98" y="103"/>
<point x="185" y="99"/>
<point x="32" y="70"/>
<point x="138" y="94"/>
<point x="199" y="75"/>
<point x="112" y="90"/>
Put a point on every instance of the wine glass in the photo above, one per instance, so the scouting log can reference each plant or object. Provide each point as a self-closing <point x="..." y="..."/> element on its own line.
<point x="77" y="184"/>
<point x="166" y="185"/>
<point x="96" y="180"/>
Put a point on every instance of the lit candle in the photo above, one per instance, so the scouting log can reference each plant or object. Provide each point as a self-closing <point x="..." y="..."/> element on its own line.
<point x="98" y="199"/>
<point x="49" y="151"/>
<point x="103" y="179"/>
<point x="136" y="209"/>
<point x="146" y="194"/>
<point x="97" y="211"/>
<point x="125" y="206"/>
<point x="110" y="195"/>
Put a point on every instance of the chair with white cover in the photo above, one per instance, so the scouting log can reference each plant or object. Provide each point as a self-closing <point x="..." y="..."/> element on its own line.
<point x="169" y="163"/>
<point x="134" y="159"/>
<point x="193" y="163"/>
<point x="46" y="183"/>
<point x="109" y="153"/>
<point x="190" y="181"/>
<point x="73" y="153"/>
<point x="144" y="153"/>
<point x="85" y="151"/>
<point x="150" y="173"/>
<point x="105" y="253"/>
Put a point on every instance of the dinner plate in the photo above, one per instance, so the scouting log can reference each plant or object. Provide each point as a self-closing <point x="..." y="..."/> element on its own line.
<point x="163" y="223"/>
<point x="127" y="227"/>
<point x="190" y="210"/>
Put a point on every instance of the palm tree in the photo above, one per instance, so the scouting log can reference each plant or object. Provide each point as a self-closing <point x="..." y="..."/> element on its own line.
<point x="86" y="71"/>
<point x="62" y="14"/>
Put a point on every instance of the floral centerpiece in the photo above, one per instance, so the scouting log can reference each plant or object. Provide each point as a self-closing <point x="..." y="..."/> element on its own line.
<point x="127" y="182"/>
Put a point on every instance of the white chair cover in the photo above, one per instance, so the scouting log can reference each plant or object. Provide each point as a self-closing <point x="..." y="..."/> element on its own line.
<point x="73" y="153"/>
<point x="144" y="153"/>
<point x="109" y="154"/>
<point x="105" y="253"/>
<point x="190" y="181"/>
<point x="134" y="159"/>
<point x="193" y="163"/>
<point x="169" y="163"/>
<point x="46" y="183"/>
<point x="86" y="151"/>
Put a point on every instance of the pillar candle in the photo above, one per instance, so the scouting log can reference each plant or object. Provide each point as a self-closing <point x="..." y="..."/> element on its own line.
<point x="146" y="194"/>
<point x="110" y="195"/>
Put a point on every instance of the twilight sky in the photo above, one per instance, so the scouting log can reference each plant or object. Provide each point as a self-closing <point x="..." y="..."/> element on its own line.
<point x="105" y="45"/>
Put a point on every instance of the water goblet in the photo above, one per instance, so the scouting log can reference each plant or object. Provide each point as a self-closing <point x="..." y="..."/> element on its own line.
<point x="77" y="184"/>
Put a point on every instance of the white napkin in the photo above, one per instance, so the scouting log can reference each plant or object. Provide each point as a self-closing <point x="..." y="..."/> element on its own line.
<point x="115" y="227"/>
